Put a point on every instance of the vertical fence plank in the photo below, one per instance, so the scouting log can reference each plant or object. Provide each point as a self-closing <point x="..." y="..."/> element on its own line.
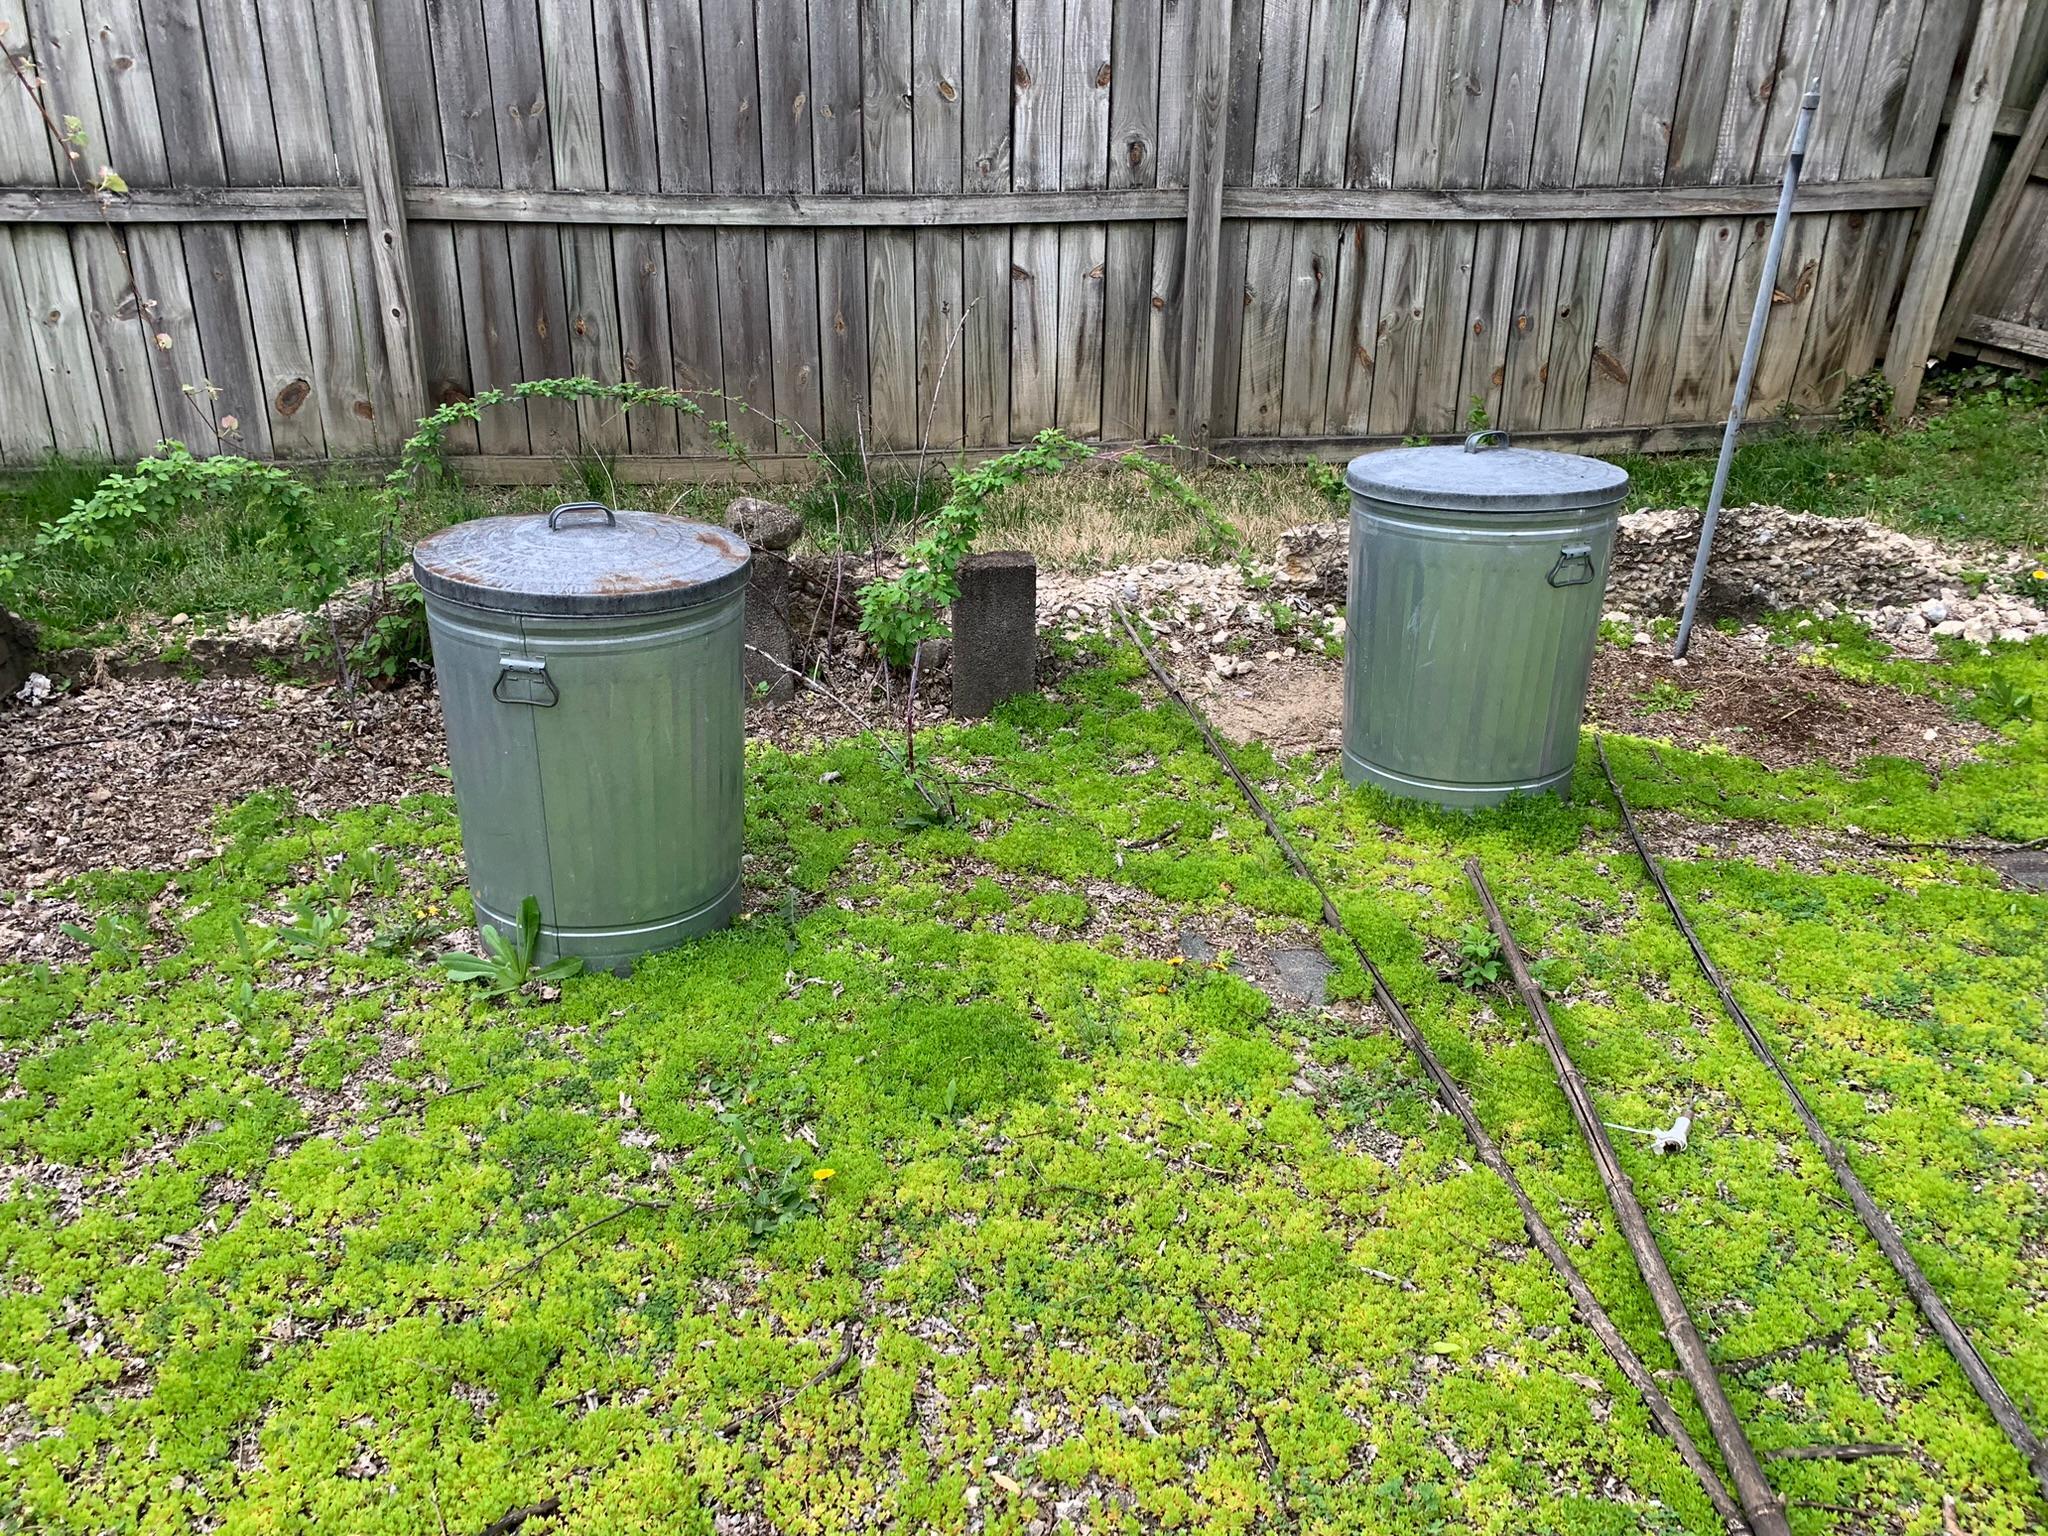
<point x="842" y="254"/>
<point x="483" y="255"/>
<point x="1694" y="138"/>
<point x="589" y="279"/>
<point x="1325" y="136"/>
<point x="1799" y="269"/>
<point x="1645" y="143"/>
<point x="1469" y="83"/>
<point x="1240" y="135"/>
<point x="121" y="416"/>
<point x="1201" y="253"/>
<point x="1596" y="159"/>
<point x="519" y="96"/>
<point x="1177" y="83"/>
<point x="1361" y="259"/>
<point x="212" y="254"/>
<point x="1127" y="270"/>
<point x="270" y="259"/>
<point x="1269" y="243"/>
<point x="397" y="374"/>
<point x="1726" y="249"/>
<point x="683" y="154"/>
<point x="1955" y="189"/>
<point x="786" y="166"/>
<point x="632" y="163"/>
<point x="892" y="253"/>
<point x="1853" y="239"/>
<point x="1083" y="248"/>
<point x="1912" y="147"/>
<point x="1035" y="248"/>
<point x="936" y="132"/>
<point x="57" y="366"/>
<point x="985" y="87"/>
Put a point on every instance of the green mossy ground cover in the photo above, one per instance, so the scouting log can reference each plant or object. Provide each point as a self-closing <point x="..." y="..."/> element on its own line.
<point x="1109" y="1237"/>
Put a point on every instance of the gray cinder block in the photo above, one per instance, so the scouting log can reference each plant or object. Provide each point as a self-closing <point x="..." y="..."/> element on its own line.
<point x="995" y="631"/>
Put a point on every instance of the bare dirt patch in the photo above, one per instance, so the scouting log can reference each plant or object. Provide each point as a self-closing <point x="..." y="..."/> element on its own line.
<point x="1295" y="704"/>
<point x="130" y="775"/>
<point x="1763" y="701"/>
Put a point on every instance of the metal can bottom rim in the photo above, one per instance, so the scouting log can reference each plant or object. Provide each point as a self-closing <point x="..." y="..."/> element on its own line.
<point x="1456" y="796"/>
<point x="616" y="948"/>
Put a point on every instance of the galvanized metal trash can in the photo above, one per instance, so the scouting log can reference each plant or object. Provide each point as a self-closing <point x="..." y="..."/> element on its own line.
<point x="589" y="664"/>
<point x="1477" y="580"/>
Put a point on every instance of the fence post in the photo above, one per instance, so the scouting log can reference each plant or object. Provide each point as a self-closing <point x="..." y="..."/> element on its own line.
<point x="1201" y="268"/>
<point x="1955" y="191"/>
<point x="358" y="108"/>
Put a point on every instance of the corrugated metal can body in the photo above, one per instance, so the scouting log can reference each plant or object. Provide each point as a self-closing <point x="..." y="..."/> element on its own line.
<point x="1477" y="581"/>
<point x="598" y="760"/>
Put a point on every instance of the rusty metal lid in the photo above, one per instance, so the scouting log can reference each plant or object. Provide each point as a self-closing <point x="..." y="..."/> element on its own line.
<point x="1486" y="474"/>
<point x="582" y="560"/>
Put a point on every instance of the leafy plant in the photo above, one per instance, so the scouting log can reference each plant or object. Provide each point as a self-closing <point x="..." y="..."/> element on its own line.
<point x="313" y="930"/>
<point x="772" y="1197"/>
<point x="1866" y="404"/>
<point x="1327" y="482"/>
<point x="1480" y="963"/>
<point x="898" y="615"/>
<point x="1221" y="538"/>
<point x="1476" y="417"/>
<point x="1665" y="697"/>
<point x="253" y="946"/>
<point x="395" y="645"/>
<point x="115" y="938"/>
<point x="172" y="480"/>
<point x="506" y="966"/>
<point x="2003" y="700"/>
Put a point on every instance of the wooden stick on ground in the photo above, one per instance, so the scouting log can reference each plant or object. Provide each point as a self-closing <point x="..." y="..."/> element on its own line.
<point x="2003" y="1410"/>
<point x="1453" y="1098"/>
<point x="1766" y="1511"/>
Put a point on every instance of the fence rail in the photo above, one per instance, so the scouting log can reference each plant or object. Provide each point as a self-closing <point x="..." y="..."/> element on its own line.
<point x="1332" y="221"/>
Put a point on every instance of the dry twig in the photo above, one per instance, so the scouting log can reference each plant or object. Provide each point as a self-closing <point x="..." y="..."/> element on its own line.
<point x="1766" y="1511"/>
<point x="1454" y="1099"/>
<point x="2003" y="1410"/>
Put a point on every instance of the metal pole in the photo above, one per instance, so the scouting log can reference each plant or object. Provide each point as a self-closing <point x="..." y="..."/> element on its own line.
<point x="1795" y="155"/>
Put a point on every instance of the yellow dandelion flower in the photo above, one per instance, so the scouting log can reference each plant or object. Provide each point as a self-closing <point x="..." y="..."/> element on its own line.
<point x="820" y="1175"/>
<point x="2041" y="575"/>
<point x="1178" y="960"/>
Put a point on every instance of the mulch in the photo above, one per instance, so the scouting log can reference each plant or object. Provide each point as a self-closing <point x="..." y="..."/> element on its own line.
<point x="130" y="775"/>
<point x="1763" y="701"/>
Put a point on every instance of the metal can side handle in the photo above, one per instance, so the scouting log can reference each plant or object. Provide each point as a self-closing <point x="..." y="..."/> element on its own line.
<point x="532" y="669"/>
<point x="1490" y="437"/>
<point x="555" y="517"/>
<point x="1572" y="555"/>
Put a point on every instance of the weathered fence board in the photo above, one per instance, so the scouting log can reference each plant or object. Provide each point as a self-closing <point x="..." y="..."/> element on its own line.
<point x="953" y="222"/>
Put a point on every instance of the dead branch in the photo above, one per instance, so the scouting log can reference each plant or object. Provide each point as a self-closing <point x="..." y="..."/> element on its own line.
<point x="512" y="1519"/>
<point x="824" y="1373"/>
<point x="1766" y="1510"/>
<point x="578" y="1235"/>
<point x="1860" y="1452"/>
<point x="1454" y="1099"/>
<point x="2003" y="1410"/>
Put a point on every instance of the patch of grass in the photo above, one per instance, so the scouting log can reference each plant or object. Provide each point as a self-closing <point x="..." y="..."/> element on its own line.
<point x="281" y="1231"/>
<point x="1977" y="469"/>
<point x="208" y="563"/>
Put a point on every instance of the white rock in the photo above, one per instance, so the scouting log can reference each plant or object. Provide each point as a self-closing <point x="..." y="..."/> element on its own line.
<point x="1949" y="627"/>
<point x="1934" y="610"/>
<point x="2015" y="634"/>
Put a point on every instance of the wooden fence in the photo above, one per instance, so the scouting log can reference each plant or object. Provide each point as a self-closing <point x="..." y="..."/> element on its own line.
<point x="1278" y="226"/>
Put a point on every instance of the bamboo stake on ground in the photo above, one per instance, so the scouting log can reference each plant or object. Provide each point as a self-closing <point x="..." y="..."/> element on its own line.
<point x="1766" y="1510"/>
<point x="2003" y="1410"/>
<point x="1453" y="1098"/>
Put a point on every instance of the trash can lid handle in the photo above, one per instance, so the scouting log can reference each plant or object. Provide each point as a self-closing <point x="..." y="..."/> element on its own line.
<point x="1492" y="437"/>
<point x="555" y="517"/>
